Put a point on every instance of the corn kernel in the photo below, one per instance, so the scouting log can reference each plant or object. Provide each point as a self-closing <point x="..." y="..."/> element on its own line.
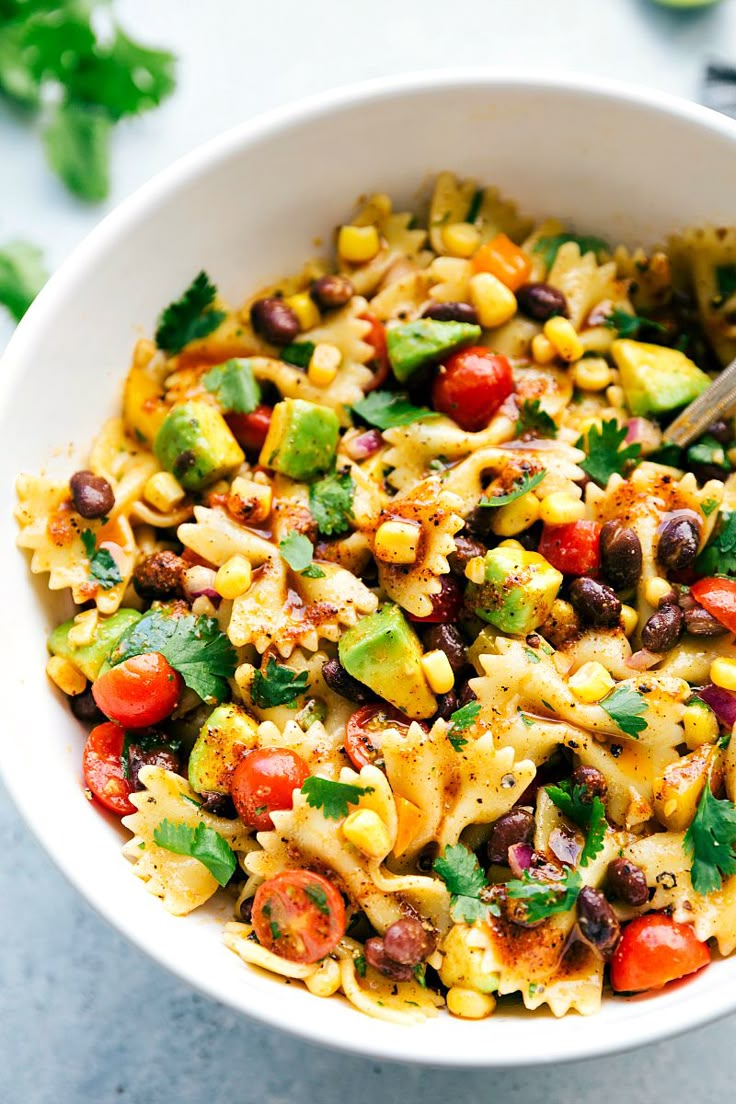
<point x="494" y="302"/>
<point x="323" y="364"/>
<point x="562" y="334"/>
<point x="325" y="981"/>
<point x="305" y="309"/>
<point x="163" y="491"/>
<point x="397" y="542"/>
<point x="249" y="500"/>
<point x="234" y="577"/>
<point x="437" y="671"/>
<point x="84" y="628"/>
<point x="460" y="239"/>
<point x="366" y="831"/>
<point x="543" y="350"/>
<point x="511" y="543"/>
<point x="358" y="244"/>
<point x="66" y="676"/>
<point x="469" y="1004"/>
<point x="723" y="673"/>
<point x="475" y="570"/>
<point x="615" y="396"/>
<point x="509" y="520"/>
<point x="592" y="374"/>
<point x="203" y="607"/>
<point x="560" y="508"/>
<point x="629" y="619"/>
<point x="591" y="682"/>
<point x="731" y="454"/>
<point x="375" y="210"/>
<point x="700" y="725"/>
<point x="655" y="589"/>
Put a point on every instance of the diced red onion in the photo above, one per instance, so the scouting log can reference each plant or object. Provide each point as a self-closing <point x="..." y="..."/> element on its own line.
<point x="365" y="445"/>
<point x="564" y="846"/>
<point x="722" y="702"/>
<point x="199" y="581"/>
<point x="643" y="660"/>
<point x="640" y="431"/>
<point x="520" y="858"/>
<point x="117" y="553"/>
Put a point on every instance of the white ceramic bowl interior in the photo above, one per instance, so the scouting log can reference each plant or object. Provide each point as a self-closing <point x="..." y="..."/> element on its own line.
<point x="627" y="164"/>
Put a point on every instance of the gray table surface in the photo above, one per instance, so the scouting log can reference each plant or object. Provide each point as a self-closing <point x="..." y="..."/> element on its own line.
<point x="85" y="1018"/>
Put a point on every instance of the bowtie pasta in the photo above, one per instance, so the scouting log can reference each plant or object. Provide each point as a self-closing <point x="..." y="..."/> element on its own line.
<point x="400" y="623"/>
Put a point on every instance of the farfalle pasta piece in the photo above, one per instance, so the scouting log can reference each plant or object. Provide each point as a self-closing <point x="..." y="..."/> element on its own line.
<point x="705" y="260"/>
<point x="650" y="276"/>
<point x="497" y="215"/>
<point x="451" y="200"/>
<point x="475" y="475"/>
<point x="549" y="228"/>
<point x="449" y="279"/>
<point x="585" y="283"/>
<point x="402" y="1002"/>
<point x="412" y="448"/>
<point x="402" y="298"/>
<point x="125" y="464"/>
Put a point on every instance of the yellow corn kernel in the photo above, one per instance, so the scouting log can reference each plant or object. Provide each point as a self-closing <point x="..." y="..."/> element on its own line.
<point x="377" y="208"/>
<point x="323" y="364"/>
<point x="494" y="302"/>
<point x="723" y="673"/>
<point x="475" y="569"/>
<point x="562" y="334"/>
<point x="543" y="350"/>
<point x="460" y="239"/>
<point x="629" y="619"/>
<point x="699" y="724"/>
<point x="66" y="676"/>
<point x="615" y="396"/>
<point x="234" y="577"/>
<point x="325" y="981"/>
<point x="203" y="607"/>
<point x="469" y="1004"/>
<point x="366" y="831"/>
<point x="592" y="374"/>
<point x="250" y="500"/>
<point x="305" y="308"/>
<point x="510" y="544"/>
<point x="509" y="520"/>
<point x="84" y="628"/>
<point x="560" y="508"/>
<point x="397" y="542"/>
<point x="731" y="454"/>
<point x="358" y="244"/>
<point x="591" y="682"/>
<point x="437" y="671"/>
<point x="163" y="491"/>
<point x="655" y="589"/>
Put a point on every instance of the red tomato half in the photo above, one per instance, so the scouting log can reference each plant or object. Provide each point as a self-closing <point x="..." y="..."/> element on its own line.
<point x="250" y="430"/>
<point x="654" y="950"/>
<point x="380" y="363"/>
<point x="446" y="605"/>
<point x="718" y="596"/>
<point x="140" y="691"/>
<point x="263" y="782"/>
<point x="364" y="730"/>
<point x="103" y="769"/>
<point x="471" y="385"/>
<point x="574" y="549"/>
<point x="298" y="915"/>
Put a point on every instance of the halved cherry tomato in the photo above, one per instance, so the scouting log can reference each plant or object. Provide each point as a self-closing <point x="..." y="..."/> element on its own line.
<point x="471" y="385"/>
<point x="718" y="596"/>
<point x="504" y="260"/>
<point x="140" y="691"/>
<point x="654" y="950"/>
<point x="264" y="782"/>
<point x="446" y="605"/>
<point x="250" y="430"/>
<point x="298" y="915"/>
<point x="380" y="363"/>
<point x="574" y="549"/>
<point x="364" y="731"/>
<point x="103" y="768"/>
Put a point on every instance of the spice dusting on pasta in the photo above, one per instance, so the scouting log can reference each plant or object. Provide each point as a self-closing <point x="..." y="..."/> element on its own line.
<point x="400" y="622"/>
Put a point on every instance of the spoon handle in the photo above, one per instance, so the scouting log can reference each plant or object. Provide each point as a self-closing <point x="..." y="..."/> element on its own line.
<point x="715" y="401"/>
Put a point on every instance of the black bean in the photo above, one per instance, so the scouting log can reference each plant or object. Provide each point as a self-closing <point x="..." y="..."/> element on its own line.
<point x="701" y="623"/>
<point x="331" y="292"/>
<point x="621" y="556"/>
<point x="663" y="629"/>
<point x="338" y="679"/>
<point x="218" y="804"/>
<point x="628" y="882"/>
<point x="479" y="522"/>
<point x="466" y="694"/>
<point x="139" y="757"/>
<point x="85" y="708"/>
<point x="92" y="496"/>
<point x="597" y="921"/>
<point x="275" y="320"/>
<point x="540" y="301"/>
<point x="678" y="543"/>
<point x="516" y="826"/>
<point x="592" y="782"/>
<point x="446" y="704"/>
<point x="466" y="549"/>
<point x="447" y="639"/>
<point x="595" y="603"/>
<point x="451" y="312"/>
<point x="246" y="910"/>
<point x="721" y="431"/>
<point x="408" y="942"/>
<point x="159" y="575"/>
<point x="375" y="955"/>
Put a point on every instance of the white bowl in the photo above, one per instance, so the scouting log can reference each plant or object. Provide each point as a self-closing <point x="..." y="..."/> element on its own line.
<point x="625" y="163"/>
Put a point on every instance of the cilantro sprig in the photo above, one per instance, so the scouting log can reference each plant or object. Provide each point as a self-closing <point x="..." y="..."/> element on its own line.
<point x="627" y="324"/>
<point x="604" y="453"/>
<point x="548" y="247"/>
<point x="386" y="409"/>
<point x="626" y="707"/>
<point x="22" y="275"/>
<point x="333" y="798"/>
<point x="201" y="843"/>
<point x="588" y="815"/>
<point x="280" y="685"/>
<point x="461" y="720"/>
<point x="545" y="899"/>
<point x="521" y="486"/>
<point x="534" y="421"/>
<point x="299" y="353"/>
<point x="331" y="502"/>
<point x="719" y="556"/>
<point x="710" y="841"/>
<point x="298" y="551"/>
<point x="102" y="566"/>
<point x="190" y="317"/>
<point x="234" y="386"/>
<point x="460" y="870"/>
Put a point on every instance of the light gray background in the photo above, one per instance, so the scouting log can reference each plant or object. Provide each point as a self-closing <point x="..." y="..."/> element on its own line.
<point x="84" y="1017"/>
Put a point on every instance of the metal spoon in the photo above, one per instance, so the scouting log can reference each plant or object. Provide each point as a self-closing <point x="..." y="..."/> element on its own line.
<point x="715" y="402"/>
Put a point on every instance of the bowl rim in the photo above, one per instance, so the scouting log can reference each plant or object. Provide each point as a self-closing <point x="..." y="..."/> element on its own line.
<point x="632" y="1034"/>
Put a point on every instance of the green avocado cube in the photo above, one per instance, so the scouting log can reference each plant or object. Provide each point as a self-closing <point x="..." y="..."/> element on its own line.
<point x="301" y="440"/>
<point x="225" y="737"/>
<point x="383" y="652"/>
<point x="195" y="443"/>
<point x="656" y="379"/>
<point x="89" y="658"/>
<point x="411" y="345"/>
<point x="518" y="591"/>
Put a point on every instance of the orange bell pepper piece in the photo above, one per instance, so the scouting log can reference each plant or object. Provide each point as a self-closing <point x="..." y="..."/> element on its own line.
<point x="503" y="259"/>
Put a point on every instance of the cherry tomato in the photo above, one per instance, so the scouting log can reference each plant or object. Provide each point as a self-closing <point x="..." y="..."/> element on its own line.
<point x="380" y="363"/>
<point x="504" y="260"/>
<point x="364" y="731"/>
<point x="140" y="691"/>
<point x="654" y="950"/>
<point x="298" y="915"/>
<point x="250" y="430"/>
<point x="103" y="768"/>
<point x="471" y="385"/>
<point x="574" y="549"/>
<point x="263" y="782"/>
<point x="718" y="596"/>
<point x="446" y="605"/>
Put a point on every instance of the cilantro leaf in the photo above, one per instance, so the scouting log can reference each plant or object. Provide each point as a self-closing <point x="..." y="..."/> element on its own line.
<point x="386" y="409"/>
<point x="719" y="557"/>
<point x="462" y="719"/>
<point x="604" y="453"/>
<point x="628" y="324"/>
<point x="102" y="566"/>
<point x="708" y="506"/>
<point x="22" y="275"/>
<point x="298" y="353"/>
<point x="534" y="421"/>
<point x="461" y="872"/>
<point x="708" y="451"/>
<point x="122" y="76"/>
<point x="298" y="552"/>
<point x="711" y="842"/>
<point x="625" y="707"/>
<point x="333" y="798"/>
<point x="234" y="385"/>
<point x="189" y="318"/>
<point x="726" y="279"/>
<point x="521" y="486"/>
<point x="194" y="646"/>
<point x="549" y="246"/>
<point x="201" y="843"/>
<point x="279" y="686"/>
<point x="76" y="140"/>
<point x="331" y="502"/>
<point x="589" y="815"/>
<point x="544" y="899"/>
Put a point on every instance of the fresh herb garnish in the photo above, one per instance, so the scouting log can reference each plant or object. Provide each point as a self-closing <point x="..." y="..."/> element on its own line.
<point x="475" y="205"/>
<point x="708" y="451"/>
<point x="318" y="897"/>
<point x="331" y="502"/>
<point x="588" y="815"/>
<point x="190" y="317"/>
<point x="386" y="409"/>
<point x="22" y="275"/>
<point x="719" y="556"/>
<point x="461" y="872"/>
<point x="549" y="246"/>
<point x="201" y="843"/>
<point x="545" y="899"/>
<point x="625" y="708"/>
<point x="709" y="506"/>
<point x="628" y="324"/>
<point x="280" y="685"/>
<point x="298" y="552"/>
<point x="710" y="841"/>
<point x="534" y="421"/>
<point x="360" y="965"/>
<point x="102" y="566"/>
<point x="234" y="386"/>
<point x="462" y="719"/>
<point x="604" y="453"/>
<point x="333" y="798"/>
<point x="521" y="487"/>
<point x="726" y="280"/>
<point x="298" y="353"/>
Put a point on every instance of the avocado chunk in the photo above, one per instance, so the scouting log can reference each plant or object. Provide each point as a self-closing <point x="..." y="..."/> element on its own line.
<point x="411" y="345"/>
<point x="302" y="439"/>
<point x="225" y="737"/>
<point x="89" y="658"/>
<point x="656" y="379"/>
<point x="383" y="652"/>
<point x="518" y="590"/>
<point x="195" y="443"/>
